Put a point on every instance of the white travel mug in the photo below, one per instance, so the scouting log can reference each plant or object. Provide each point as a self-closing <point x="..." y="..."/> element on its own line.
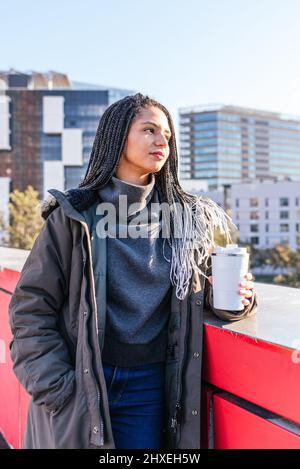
<point x="229" y="266"/>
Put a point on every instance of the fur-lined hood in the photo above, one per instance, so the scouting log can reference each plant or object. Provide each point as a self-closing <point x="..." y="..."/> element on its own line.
<point x="80" y="199"/>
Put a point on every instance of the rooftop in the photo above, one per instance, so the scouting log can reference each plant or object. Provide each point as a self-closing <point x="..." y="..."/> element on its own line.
<point x="228" y="108"/>
<point x="34" y="80"/>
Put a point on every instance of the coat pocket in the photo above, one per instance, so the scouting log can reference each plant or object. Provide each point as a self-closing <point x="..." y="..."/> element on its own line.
<point x="70" y="424"/>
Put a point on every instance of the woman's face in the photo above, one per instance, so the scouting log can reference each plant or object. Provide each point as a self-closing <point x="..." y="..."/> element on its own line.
<point x="147" y="146"/>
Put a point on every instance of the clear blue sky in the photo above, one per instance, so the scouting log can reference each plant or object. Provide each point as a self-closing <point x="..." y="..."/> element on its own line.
<point x="181" y="52"/>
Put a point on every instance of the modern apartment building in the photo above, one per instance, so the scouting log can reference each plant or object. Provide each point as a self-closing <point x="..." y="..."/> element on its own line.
<point x="47" y="127"/>
<point x="267" y="213"/>
<point x="229" y="144"/>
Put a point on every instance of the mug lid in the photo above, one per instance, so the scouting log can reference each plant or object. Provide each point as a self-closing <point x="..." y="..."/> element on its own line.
<point x="229" y="250"/>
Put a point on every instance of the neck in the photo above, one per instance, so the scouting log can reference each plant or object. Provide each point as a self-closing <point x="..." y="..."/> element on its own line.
<point x="133" y="178"/>
<point x="136" y="194"/>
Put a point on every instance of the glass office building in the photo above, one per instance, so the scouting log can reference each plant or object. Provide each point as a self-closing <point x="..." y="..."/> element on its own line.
<point x="48" y="125"/>
<point x="228" y="144"/>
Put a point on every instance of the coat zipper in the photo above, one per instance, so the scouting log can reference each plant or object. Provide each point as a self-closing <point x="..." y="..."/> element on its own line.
<point x="101" y="420"/>
<point x="175" y="421"/>
<point x="96" y="324"/>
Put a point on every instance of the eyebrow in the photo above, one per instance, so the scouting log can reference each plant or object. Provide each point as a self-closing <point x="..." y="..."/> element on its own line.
<point x="157" y="126"/>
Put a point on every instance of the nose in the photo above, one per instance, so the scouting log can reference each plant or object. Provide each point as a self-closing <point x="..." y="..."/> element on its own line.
<point x="161" y="140"/>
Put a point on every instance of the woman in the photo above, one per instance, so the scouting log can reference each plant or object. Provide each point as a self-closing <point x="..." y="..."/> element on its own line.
<point x="106" y="322"/>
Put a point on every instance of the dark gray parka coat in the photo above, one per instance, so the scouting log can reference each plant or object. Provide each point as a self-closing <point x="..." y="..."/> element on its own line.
<point x="57" y="331"/>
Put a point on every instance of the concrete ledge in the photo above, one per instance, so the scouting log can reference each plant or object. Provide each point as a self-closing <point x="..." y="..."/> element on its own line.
<point x="11" y="258"/>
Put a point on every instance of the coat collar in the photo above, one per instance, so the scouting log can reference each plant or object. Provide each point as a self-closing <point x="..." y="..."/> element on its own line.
<point x="77" y="199"/>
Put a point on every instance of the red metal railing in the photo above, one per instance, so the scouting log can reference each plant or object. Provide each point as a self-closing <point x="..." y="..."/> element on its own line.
<point x="13" y="398"/>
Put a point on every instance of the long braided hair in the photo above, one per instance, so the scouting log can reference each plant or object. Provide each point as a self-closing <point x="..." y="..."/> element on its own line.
<point x="197" y="216"/>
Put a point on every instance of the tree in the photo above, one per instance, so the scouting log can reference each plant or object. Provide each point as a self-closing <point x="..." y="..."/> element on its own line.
<point x="290" y="259"/>
<point x="25" y="220"/>
<point x="220" y="239"/>
<point x="280" y="256"/>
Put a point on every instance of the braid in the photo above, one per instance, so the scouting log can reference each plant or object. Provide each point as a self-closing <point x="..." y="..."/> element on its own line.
<point x="199" y="216"/>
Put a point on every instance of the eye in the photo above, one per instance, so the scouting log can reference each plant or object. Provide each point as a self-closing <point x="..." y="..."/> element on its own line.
<point x="152" y="131"/>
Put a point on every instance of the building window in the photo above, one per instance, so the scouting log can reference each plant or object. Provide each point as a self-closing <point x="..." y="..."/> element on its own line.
<point x="267" y="227"/>
<point x="254" y="240"/>
<point x="284" y="214"/>
<point x="254" y="216"/>
<point x="254" y="228"/>
<point x="266" y="202"/>
<point x="283" y="201"/>
<point x="297" y="201"/>
<point x="238" y="226"/>
<point x="267" y="215"/>
<point x="237" y="202"/>
<point x="284" y="227"/>
<point x="237" y="215"/>
<point x="298" y="227"/>
<point x="284" y="241"/>
<point x="254" y="202"/>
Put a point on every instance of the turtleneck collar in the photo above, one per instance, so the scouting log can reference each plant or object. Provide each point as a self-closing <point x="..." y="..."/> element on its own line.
<point x="136" y="194"/>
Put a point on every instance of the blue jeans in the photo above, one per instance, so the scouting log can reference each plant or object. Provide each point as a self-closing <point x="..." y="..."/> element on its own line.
<point x="136" y="404"/>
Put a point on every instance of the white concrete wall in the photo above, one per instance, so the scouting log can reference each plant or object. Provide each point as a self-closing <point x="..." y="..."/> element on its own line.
<point x="194" y="186"/>
<point x="4" y="122"/>
<point x="53" y="176"/>
<point x="53" y="114"/>
<point x="217" y="196"/>
<point x="200" y="187"/>
<point x="72" y="147"/>
<point x="267" y="214"/>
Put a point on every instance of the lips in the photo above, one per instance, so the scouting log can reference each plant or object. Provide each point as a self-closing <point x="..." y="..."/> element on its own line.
<point x="158" y="154"/>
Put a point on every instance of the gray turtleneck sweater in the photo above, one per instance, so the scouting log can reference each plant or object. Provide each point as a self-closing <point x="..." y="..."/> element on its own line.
<point x="138" y="280"/>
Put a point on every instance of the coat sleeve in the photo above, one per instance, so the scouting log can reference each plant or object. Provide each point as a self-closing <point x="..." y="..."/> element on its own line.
<point x="40" y="356"/>
<point x="248" y="311"/>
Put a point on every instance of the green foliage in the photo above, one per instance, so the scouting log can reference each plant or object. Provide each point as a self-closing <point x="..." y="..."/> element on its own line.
<point x="220" y="239"/>
<point x="278" y="256"/>
<point x="25" y="221"/>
